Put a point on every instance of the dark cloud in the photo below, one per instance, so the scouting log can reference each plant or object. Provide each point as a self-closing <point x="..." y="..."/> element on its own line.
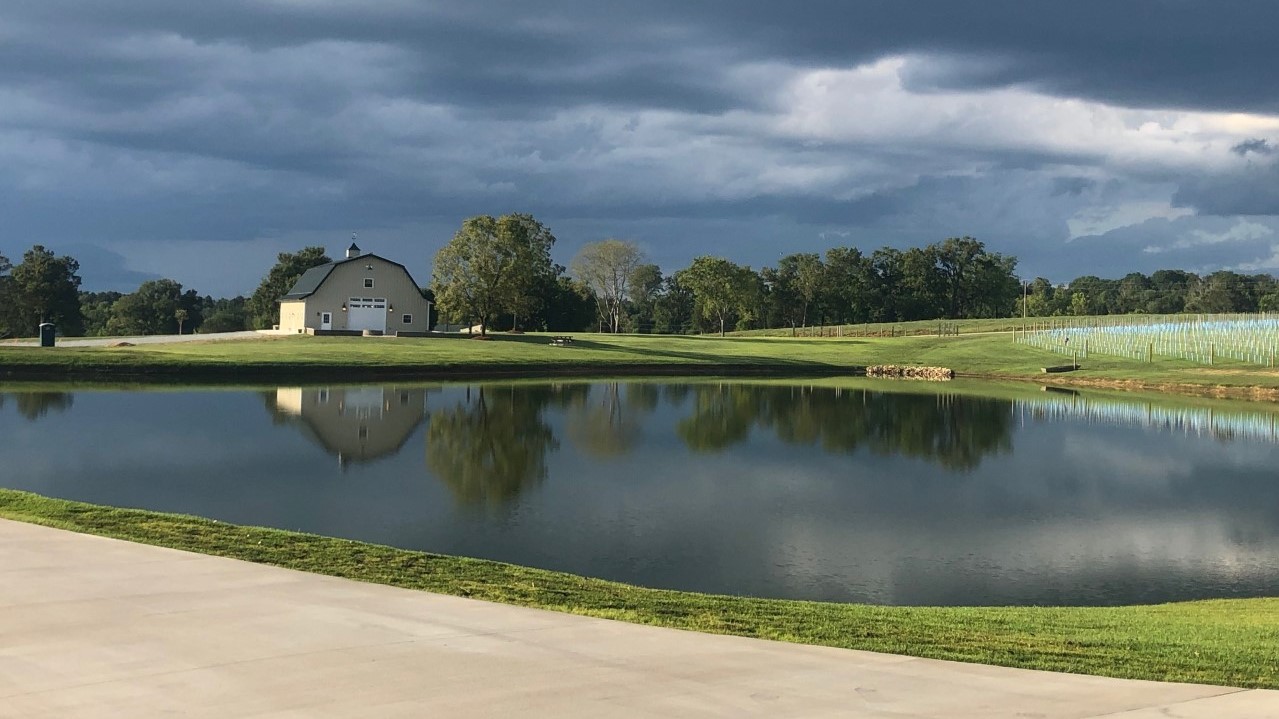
<point x="667" y="53"/>
<point x="1253" y="190"/>
<point x="1257" y="146"/>
<point x="147" y="121"/>
<point x="1072" y="185"/>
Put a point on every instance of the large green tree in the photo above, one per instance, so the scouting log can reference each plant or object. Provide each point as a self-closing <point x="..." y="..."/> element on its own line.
<point x="721" y="288"/>
<point x="674" y="307"/>
<point x="492" y="264"/>
<point x="45" y="288"/>
<point x="796" y="285"/>
<point x="608" y="267"/>
<point x="264" y="306"/>
<point x="646" y="287"/>
<point x="153" y="309"/>
<point x="850" y="284"/>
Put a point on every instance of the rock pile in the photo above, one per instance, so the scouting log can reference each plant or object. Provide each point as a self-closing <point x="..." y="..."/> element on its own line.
<point x="892" y="371"/>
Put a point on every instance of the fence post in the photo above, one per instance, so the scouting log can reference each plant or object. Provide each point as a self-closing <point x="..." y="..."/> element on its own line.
<point x="1212" y="353"/>
<point x="1150" y="352"/>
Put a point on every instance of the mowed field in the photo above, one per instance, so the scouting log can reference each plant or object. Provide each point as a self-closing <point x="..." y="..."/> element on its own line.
<point x="991" y="355"/>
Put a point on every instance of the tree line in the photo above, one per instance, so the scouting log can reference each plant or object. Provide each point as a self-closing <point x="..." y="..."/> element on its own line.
<point x="1161" y="292"/>
<point x="496" y="273"/>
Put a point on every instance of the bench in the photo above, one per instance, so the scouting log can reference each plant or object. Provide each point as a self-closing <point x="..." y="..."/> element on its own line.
<point x="561" y="341"/>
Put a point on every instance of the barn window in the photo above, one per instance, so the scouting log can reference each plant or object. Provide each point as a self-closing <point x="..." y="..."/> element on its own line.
<point x="368" y="283"/>
<point x="408" y="319"/>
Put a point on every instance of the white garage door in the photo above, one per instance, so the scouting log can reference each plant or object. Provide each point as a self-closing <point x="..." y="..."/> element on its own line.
<point x="366" y="313"/>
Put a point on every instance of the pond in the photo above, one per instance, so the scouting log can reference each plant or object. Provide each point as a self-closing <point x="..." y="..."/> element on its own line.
<point x="843" y="490"/>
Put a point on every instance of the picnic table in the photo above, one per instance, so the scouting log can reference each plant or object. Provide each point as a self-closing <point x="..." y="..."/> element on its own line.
<point x="561" y="340"/>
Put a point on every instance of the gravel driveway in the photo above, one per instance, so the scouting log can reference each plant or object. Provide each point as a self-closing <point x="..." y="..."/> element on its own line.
<point x="150" y="339"/>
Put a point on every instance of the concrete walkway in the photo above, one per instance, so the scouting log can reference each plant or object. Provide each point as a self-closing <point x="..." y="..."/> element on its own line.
<point x="93" y="627"/>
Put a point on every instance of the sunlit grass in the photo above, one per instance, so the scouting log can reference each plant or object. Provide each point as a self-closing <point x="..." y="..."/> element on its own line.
<point x="333" y="358"/>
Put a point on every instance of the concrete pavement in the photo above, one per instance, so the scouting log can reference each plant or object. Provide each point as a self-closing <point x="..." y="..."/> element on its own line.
<point x="93" y="627"/>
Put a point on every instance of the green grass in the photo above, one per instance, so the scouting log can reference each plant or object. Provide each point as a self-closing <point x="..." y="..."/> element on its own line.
<point x="310" y="358"/>
<point x="1227" y="642"/>
<point x="898" y="329"/>
<point x="335" y="358"/>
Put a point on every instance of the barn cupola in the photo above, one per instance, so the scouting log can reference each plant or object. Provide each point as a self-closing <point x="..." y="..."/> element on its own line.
<point x="353" y="250"/>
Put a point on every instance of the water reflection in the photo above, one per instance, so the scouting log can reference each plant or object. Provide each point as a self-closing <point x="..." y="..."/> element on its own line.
<point x="493" y="442"/>
<point x="608" y="420"/>
<point x="34" y="405"/>
<point x="859" y="493"/>
<point x="354" y="424"/>
<point x="955" y="432"/>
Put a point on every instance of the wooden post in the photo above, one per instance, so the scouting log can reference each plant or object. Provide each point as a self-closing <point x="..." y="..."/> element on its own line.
<point x="1074" y="359"/>
<point x="1212" y="353"/>
<point x="1150" y="352"/>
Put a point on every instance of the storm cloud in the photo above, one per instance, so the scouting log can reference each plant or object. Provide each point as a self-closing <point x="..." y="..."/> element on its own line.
<point x="195" y="141"/>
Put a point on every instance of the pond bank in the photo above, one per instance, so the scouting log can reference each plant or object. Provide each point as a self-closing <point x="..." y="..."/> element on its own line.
<point x="1226" y="642"/>
<point x="338" y="359"/>
<point x="234" y="631"/>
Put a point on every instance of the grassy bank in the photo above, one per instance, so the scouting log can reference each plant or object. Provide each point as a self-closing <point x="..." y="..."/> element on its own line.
<point x="302" y="359"/>
<point x="1232" y="642"/>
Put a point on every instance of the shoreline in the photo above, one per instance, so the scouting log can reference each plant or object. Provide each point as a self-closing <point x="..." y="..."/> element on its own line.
<point x="217" y="375"/>
<point x="1204" y="641"/>
<point x="311" y="360"/>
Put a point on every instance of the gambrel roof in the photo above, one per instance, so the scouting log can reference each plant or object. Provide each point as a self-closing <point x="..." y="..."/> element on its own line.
<point x="311" y="280"/>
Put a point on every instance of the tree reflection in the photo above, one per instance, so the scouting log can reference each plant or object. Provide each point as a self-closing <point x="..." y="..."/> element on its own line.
<point x="34" y="405"/>
<point x="722" y="416"/>
<point x="956" y="432"/>
<point x="493" y="444"/>
<point x="607" y="422"/>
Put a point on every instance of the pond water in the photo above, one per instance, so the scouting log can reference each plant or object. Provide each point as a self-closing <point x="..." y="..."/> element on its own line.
<point x="858" y="493"/>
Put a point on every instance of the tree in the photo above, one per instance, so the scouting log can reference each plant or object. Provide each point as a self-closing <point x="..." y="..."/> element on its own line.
<point x="1039" y="298"/>
<point x="181" y="316"/>
<point x="491" y="265"/>
<point x="850" y="284"/>
<point x="6" y="297"/>
<point x="225" y="315"/>
<point x="673" y="309"/>
<point x="608" y="267"/>
<point x="264" y="306"/>
<point x="567" y="306"/>
<point x="45" y="288"/>
<point x="96" y="309"/>
<point x="1222" y="291"/>
<point x="796" y="284"/>
<point x="646" y="287"/>
<point x="150" y="310"/>
<point x="720" y="288"/>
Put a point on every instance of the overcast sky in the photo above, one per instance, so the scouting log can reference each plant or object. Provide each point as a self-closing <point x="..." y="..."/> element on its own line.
<point x="196" y="140"/>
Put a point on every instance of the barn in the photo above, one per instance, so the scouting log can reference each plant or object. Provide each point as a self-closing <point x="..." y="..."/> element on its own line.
<point x="362" y="293"/>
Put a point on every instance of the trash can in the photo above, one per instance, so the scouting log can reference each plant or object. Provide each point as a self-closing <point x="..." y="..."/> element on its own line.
<point x="47" y="332"/>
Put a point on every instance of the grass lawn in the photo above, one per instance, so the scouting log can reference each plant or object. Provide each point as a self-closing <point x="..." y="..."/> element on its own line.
<point x="1230" y="642"/>
<point x="992" y="355"/>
